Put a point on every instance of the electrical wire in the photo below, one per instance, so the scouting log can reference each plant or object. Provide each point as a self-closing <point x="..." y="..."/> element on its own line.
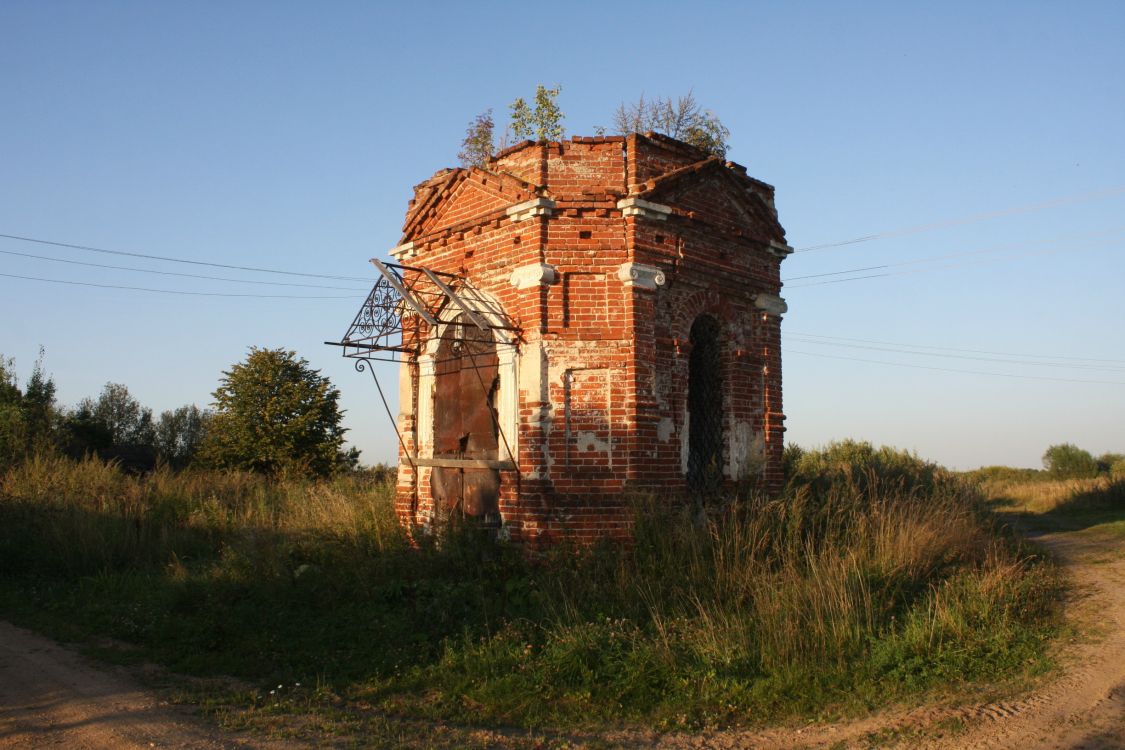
<point x="170" y="259"/>
<point x="174" y="291"/>
<point x="970" y="219"/>
<point x="1101" y="368"/>
<point x="173" y="273"/>
<point x="951" y="369"/>
<point x="1014" y="256"/>
<point x="953" y="349"/>
<point x="979" y="251"/>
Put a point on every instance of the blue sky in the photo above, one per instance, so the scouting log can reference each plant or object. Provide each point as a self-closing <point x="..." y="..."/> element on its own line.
<point x="289" y="135"/>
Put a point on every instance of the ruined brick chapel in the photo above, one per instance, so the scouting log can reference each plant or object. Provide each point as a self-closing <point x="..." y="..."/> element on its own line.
<point x="578" y="322"/>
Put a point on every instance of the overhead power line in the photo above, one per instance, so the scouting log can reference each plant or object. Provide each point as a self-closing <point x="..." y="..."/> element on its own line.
<point x="952" y="369"/>
<point x="961" y="264"/>
<point x="184" y="275"/>
<point x="979" y="251"/>
<point x="970" y="219"/>
<point x="173" y="291"/>
<point x="953" y="349"/>
<point x="948" y="355"/>
<point x="170" y="259"/>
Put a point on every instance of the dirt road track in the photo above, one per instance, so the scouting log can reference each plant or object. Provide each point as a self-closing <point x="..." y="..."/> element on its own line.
<point x="53" y="697"/>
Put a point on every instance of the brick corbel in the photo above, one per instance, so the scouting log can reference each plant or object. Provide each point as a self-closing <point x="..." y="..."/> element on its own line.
<point x="641" y="275"/>
<point x="405" y="250"/>
<point x="534" y="274"/>
<point x="530" y="209"/>
<point x="780" y="249"/>
<point x="770" y="304"/>
<point x="646" y="209"/>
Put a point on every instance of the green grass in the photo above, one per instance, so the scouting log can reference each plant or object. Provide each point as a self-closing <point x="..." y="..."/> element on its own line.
<point x="875" y="578"/>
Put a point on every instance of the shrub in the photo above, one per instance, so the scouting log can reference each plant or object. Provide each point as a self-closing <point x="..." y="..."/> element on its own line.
<point x="1067" y="461"/>
<point x="857" y="464"/>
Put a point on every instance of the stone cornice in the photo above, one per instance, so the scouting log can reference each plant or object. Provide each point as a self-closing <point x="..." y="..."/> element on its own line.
<point x="533" y="275"/>
<point x="646" y="209"/>
<point x="770" y="304"/>
<point x="530" y="209"/>
<point x="780" y="249"/>
<point x="405" y="250"/>
<point x="641" y="275"/>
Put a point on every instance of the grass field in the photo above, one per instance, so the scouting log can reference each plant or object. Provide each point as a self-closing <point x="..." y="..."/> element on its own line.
<point x="1094" y="505"/>
<point x="875" y="578"/>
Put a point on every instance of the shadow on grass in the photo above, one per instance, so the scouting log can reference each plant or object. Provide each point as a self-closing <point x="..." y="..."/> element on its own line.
<point x="1079" y="510"/>
<point x="253" y="603"/>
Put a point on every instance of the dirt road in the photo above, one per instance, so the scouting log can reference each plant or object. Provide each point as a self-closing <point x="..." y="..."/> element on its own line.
<point x="53" y="697"/>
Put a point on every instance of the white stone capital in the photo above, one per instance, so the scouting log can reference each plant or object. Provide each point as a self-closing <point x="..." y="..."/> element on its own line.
<point x="530" y="209"/>
<point x="405" y="250"/>
<point x="780" y="249"/>
<point x="533" y="274"/>
<point x="771" y="304"/>
<point x="641" y="275"/>
<point x="647" y="209"/>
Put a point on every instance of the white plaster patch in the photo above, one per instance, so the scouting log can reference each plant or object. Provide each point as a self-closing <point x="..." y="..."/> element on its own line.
<point x="748" y="452"/>
<point x="589" y="442"/>
<point x="664" y="429"/>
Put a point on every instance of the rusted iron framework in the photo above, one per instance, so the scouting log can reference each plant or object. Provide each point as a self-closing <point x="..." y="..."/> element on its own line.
<point x="434" y="298"/>
<point x="405" y="306"/>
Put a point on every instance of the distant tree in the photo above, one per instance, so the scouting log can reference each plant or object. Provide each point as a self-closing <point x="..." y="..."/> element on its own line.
<point x="1107" y="461"/>
<point x="1067" y="461"/>
<point x="476" y="149"/>
<point x="682" y="119"/>
<point x="40" y="411"/>
<point x="126" y="420"/>
<point x="275" y="414"/>
<point x="83" y="433"/>
<point x="179" y="433"/>
<point x="13" y="432"/>
<point x="543" y="122"/>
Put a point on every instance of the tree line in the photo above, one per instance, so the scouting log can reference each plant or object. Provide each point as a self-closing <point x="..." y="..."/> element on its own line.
<point x="272" y="413"/>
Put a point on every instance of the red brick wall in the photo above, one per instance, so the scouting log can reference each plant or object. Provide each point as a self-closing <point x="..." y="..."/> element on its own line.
<point x="602" y="416"/>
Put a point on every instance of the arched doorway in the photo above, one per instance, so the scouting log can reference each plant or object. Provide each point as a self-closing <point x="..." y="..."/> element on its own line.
<point x="705" y="406"/>
<point x="466" y="379"/>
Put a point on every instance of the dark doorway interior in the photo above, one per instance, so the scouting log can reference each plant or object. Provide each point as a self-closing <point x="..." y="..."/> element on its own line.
<point x="705" y="406"/>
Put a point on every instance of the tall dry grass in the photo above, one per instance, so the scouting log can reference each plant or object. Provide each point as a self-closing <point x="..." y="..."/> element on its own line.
<point x="1066" y="495"/>
<point x="874" y="575"/>
<point x="90" y="515"/>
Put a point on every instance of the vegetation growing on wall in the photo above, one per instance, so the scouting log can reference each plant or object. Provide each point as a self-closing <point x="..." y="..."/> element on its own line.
<point x="681" y="118"/>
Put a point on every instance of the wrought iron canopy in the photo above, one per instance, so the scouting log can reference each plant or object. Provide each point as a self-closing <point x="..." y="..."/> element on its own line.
<point x="433" y="297"/>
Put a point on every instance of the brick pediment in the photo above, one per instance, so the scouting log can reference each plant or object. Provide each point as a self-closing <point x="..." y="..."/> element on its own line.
<point x="718" y="193"/>
<point x="452" y="197"/>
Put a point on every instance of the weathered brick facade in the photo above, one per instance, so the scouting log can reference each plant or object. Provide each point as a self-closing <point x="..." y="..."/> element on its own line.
<point x="614" y="257"/>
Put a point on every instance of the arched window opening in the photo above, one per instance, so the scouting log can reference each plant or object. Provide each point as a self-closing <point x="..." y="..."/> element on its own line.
<point x="705" y="406"/>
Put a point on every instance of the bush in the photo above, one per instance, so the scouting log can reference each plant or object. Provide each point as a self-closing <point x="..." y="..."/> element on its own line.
<point x="1067" y="461"/>
<point x="859" y="466"/>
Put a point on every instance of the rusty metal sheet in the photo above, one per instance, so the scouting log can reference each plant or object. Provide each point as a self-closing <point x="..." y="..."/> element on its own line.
<point x="465" y="420"/>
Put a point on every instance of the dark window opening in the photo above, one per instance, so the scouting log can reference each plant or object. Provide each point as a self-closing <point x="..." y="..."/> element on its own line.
<point x="705" y="407"/>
